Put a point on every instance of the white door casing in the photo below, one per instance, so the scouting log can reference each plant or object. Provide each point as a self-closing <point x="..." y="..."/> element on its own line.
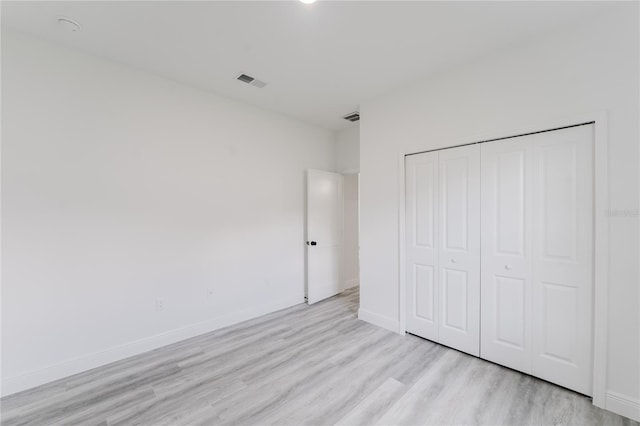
<point x="324" y="235"/>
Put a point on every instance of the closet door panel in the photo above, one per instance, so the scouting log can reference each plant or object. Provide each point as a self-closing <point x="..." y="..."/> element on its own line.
<point x="459" y="251"/>
<point x="506" y="253"/>
<point x="421" y="249"/>
<point x="563" y="257"/>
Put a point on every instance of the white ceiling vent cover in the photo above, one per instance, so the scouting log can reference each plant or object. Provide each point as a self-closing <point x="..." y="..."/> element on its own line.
<point x="251" y="80"/>
<point x="353" y="117"/>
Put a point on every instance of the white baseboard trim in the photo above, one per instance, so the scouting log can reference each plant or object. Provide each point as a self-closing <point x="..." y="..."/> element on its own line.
<point x="379" y="320"/>
<point x="351" y="283"/>
<point x="21" y="382"/>
<point x="623" y="405"/>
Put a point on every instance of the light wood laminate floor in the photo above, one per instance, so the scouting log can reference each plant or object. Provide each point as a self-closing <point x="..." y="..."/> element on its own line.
<point x="314" y="365"/>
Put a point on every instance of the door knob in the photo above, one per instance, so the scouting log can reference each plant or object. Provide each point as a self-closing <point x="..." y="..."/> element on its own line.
<point x="453" y="260"/>
<point x="311" y="243"/>
<point x="507" y="267"/>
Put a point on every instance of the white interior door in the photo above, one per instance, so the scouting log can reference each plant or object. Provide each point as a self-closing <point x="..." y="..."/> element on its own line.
<point x="459" y="248"/>
<point x="507" y="275"/>
<point x="422" y="244"/>
<point x="324" y="234"/>
<point x="563" y="257"/>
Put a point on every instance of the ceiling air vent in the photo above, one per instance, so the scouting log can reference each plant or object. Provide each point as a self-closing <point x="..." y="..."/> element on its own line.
<point x="354" y="116"/>
<point x="251" y="80"/>
<point x="245" y="78"/>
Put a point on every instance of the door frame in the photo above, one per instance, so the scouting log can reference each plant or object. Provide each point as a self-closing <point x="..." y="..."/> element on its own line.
<point x="601" y="226"/>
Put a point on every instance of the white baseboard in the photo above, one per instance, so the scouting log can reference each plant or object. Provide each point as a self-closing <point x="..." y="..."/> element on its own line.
<point x="351" y="283"/>
<point x="10" y="385"/>
<point x="379" y="320"/>
<point x="623" y="405"/>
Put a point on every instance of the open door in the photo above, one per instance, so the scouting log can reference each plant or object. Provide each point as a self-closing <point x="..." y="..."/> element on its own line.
<point x="324" y="234"/>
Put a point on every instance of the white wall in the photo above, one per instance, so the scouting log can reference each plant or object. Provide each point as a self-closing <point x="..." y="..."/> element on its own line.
<point x="351" y="267"/>
<point x="348" y="149"/>
<point x="120" y="187"/>
<point x="587" y="68"/>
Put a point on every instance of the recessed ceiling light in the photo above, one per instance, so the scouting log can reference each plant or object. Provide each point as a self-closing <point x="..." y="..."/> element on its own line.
<point x="68" y="24"/>
<point x="308" y="1"/>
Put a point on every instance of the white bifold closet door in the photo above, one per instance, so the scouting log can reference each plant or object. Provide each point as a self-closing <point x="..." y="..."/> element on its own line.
<point x="499" y="252"/>
<point x="537" y="255"/>
<point x="443" y="247"/>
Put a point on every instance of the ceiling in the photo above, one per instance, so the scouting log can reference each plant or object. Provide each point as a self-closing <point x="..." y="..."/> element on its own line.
<point x="320" y="61"/>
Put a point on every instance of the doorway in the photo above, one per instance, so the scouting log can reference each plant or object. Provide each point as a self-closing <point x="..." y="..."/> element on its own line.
<point x="351" y="234"/>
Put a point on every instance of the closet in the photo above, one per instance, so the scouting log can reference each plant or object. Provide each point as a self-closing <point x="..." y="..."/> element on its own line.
<point x="499" y="252"/>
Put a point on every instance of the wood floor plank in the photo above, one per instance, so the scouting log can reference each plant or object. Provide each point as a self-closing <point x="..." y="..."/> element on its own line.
<point x="95" y="414"/>
<point x="370" y="409"/>
<point x="304" y="365"/>
<point x="416" y="405"/>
